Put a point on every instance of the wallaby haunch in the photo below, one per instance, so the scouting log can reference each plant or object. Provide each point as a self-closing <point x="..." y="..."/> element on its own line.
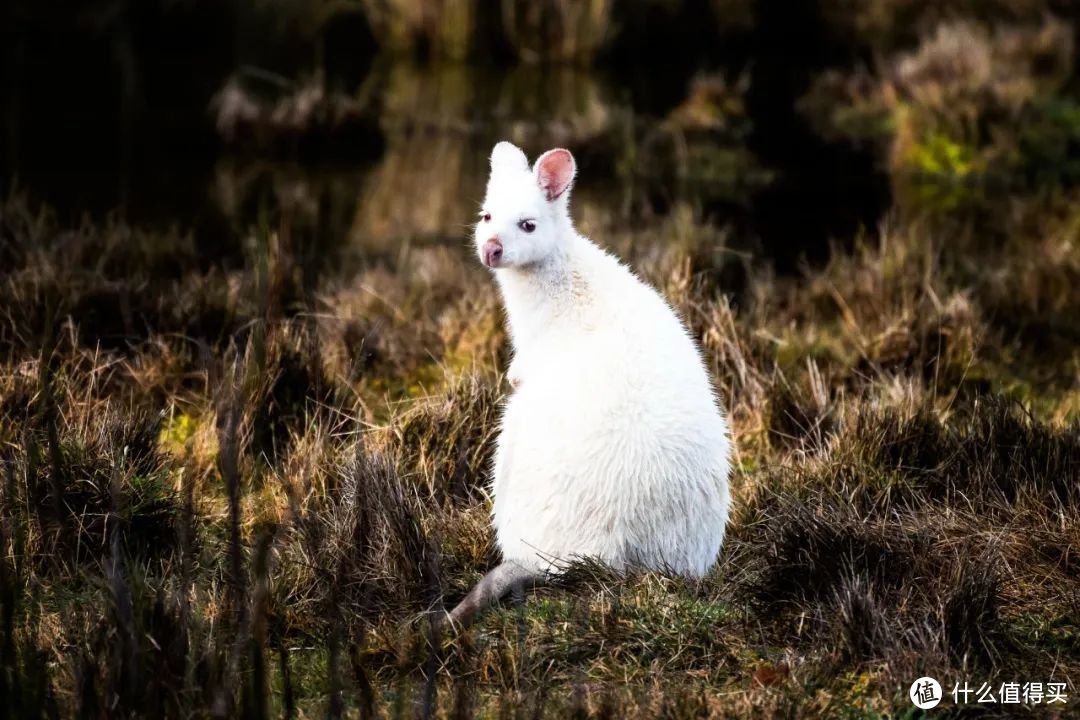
<point x="612" y="444"/>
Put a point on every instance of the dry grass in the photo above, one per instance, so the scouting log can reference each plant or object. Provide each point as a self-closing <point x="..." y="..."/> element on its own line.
<point x="234" y="478"/>
<point x="259" y="507"/>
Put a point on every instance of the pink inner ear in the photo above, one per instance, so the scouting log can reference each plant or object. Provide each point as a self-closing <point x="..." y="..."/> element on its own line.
<point x="554" y="173"/>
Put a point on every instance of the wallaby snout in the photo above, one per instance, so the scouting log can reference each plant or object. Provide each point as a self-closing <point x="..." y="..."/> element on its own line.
<point x="493" y="252"/>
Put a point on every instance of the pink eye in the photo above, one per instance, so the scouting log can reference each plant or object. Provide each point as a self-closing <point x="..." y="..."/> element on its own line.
<point x="486" y="217"/>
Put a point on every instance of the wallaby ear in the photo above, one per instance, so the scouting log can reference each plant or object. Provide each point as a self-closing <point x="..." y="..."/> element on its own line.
<point x="508" y="156"/>
<point x="554" y="171"/>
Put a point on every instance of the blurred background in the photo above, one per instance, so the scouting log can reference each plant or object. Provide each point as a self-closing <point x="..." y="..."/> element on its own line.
<point x="369" y="122"/>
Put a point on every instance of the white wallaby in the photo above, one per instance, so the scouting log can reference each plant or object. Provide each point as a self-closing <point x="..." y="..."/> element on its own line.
<point x="613" y="444"/>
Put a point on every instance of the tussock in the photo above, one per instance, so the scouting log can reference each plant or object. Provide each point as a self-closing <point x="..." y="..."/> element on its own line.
<point x="234" y="482"/>
<point x="901" y="506"/>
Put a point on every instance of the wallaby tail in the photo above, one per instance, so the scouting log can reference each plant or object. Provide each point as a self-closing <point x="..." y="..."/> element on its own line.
<point x="498" y="582"/>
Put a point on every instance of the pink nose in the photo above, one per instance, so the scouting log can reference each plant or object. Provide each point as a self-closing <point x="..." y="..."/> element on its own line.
<point x="492" y="252"/>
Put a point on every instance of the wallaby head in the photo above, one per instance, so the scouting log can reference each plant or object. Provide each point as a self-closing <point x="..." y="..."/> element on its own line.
<point x="525" y="216"/>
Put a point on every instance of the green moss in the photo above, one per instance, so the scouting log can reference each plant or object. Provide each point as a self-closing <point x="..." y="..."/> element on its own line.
<point x="941" y="156"/>
<point x="177" y="432"/>
<point x="942" y="175"/>
<point x="386" y="390"/>
<point x="856" y="698"/>
<point x="1054" y="634"/>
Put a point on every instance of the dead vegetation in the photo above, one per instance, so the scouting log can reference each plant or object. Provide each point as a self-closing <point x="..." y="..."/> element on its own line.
<point x="234" y="480"/>
<point x="261" y="517"/>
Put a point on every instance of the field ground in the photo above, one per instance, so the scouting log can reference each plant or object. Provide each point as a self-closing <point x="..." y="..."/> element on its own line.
<point x="236" y="475"/>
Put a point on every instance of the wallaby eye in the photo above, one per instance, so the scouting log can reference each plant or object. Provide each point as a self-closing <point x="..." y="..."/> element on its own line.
<point x="486" y="217"/>
<point x="527" y="225"/>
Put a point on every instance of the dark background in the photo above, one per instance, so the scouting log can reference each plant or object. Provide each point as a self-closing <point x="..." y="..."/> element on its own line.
<point x="107" y="106"/>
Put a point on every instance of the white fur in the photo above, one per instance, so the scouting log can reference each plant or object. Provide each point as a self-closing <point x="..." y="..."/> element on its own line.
<point x="613" y="444"/>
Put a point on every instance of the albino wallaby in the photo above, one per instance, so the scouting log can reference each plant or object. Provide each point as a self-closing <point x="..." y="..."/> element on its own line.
<point x="613" y="444"/>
